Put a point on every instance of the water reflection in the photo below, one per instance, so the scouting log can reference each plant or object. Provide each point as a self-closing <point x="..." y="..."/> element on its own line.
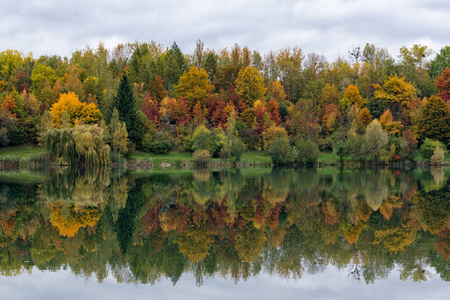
<point x="143" y="227"/>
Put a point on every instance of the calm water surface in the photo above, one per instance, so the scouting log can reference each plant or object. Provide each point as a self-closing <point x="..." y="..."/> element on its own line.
<point x="249" y="234"/>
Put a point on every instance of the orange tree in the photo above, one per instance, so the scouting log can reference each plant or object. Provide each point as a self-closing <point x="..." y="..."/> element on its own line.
<point x="77" y="110"/>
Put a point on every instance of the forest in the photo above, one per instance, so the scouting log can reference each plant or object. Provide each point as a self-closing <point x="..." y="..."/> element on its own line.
<point x="101" y="105"/>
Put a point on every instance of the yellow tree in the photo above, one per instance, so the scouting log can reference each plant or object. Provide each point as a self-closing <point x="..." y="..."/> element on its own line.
<point x="194" y="86"/>
<point x="250" y="85"/>
<point x="351" y="97"/>
<point x="77" y="110"/>
<point x="397" y="94"/>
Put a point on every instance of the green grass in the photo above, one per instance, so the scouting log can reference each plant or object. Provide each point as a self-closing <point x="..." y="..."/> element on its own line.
<point x="21" y="151"/>
<point x="327" y="157"/>
<point x="22" y="176"/>
<point x="256" y="158"/>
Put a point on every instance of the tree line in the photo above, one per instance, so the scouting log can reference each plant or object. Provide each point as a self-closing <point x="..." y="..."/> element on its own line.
<point x="367" y="106"/>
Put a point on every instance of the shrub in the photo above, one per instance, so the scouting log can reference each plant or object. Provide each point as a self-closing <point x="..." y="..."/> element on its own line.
<point x="271" y="134"/>
<point x="437" y="159"/>
<point x="307" y="152"/>
<point x="160" y="144"/>
<point x="428" y="147"/>
<point x="147" y="141"/>
<point x="281" y="152"/>
<point x="201" y="158"/>
<point x="233" y="148"/>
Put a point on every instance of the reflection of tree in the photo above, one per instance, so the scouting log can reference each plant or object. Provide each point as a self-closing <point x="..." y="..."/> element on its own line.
<point x="250" y="243"/>
<point x="69" y="219"/>
<point x="432" y="209"/>
<point x="194" y="243"/>
<point x="395" y="238"/>
<point x="375" y="190"/>
<point x="141" y="229"/>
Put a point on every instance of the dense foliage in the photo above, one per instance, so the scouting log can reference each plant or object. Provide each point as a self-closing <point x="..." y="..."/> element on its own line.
<point x="163" y="96"/>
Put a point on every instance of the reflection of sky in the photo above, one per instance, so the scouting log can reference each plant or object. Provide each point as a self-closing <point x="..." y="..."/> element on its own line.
<point x="331" y="284"/>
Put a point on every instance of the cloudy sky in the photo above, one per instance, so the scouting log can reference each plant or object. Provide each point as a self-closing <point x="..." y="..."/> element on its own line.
<point x="328" y="27"/>
<point x="331" y="284"/>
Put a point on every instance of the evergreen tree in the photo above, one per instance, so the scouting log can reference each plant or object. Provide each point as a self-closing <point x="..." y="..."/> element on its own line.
<point x="125" y="103"/>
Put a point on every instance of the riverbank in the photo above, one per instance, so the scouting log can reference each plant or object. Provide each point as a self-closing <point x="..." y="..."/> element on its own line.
<point x="32" y="157"/>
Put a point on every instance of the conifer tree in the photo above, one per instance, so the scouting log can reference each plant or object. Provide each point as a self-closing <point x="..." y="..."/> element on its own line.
<point x="125" y="103"/>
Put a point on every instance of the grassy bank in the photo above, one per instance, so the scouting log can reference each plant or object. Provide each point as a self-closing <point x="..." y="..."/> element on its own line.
<point x="22" y="156"/>
<point x="31" y="156"/>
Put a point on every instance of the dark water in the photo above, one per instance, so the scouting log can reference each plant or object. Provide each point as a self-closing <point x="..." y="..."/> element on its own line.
<point x="249" y="234"/>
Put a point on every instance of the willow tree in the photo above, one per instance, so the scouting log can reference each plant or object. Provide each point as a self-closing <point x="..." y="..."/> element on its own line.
<point x="83" y="145"/>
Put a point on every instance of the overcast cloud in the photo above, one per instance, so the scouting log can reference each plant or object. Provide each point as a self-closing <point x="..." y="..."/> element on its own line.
<point x="328" y="27"/>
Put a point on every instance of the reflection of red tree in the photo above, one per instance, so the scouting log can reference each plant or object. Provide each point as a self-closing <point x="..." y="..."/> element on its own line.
<point x="151" y="220"/>
<point x="443" y="244"/>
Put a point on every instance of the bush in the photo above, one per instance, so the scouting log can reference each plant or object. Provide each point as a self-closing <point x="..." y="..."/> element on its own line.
<point x="281" y="152"/>
<point x="307" y="152"/>
<point x="201" y="158"/>
<point x="205" y="139"/>
<point x="429" y="146"/>
<point x="437" y="159"/>
<point x="250" y="137"/>
<point x="160" y="145"/>
<point x="147" y="141"/>
<point x="273" y="133"/>
<point x="233" y="148"/>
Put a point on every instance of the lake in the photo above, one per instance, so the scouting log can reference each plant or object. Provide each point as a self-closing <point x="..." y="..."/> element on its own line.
<point x="239" y="234"/>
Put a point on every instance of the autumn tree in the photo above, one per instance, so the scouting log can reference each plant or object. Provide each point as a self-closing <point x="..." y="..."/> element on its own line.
<point x="194" y="86"/>
<point x="397" y="94"/>
<point x="10" y="60"/>
<point x="250" y="85"/>
<point x="276" y="91"/>
<point x="351" y="97"/>
<point x="76" y="110"/>
<point x="443" y="85"/>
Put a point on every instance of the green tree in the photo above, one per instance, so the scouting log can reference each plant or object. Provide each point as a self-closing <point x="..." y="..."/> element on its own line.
<point x="118" y="135"/>
<point x="375" y="140"/>
<point x="125" y="103"/>
<point x="434" y="121"/>
<point x="233" y="146"/>
<point x="441" y="61"/>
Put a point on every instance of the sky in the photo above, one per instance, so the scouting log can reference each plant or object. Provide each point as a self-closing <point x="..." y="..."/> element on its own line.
<point x="326" y="27"/>
<point x="329" y="284"/>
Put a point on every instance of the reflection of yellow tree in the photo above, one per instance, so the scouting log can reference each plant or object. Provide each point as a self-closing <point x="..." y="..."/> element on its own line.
<point x="194" y="243"/>
<point x="387" y="208"/>
<point x="352" y="231"/>
<point x="397" y="238"/>
<point x="76" y="219"/>
<point x="250" y="243"/>
<point x="276" y="237"/>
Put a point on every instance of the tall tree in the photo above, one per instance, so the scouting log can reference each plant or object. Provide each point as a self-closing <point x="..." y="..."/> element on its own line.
<point x="434" y="121"/>
<point x="250" y="85"/>
<point x="125" y="102"/>
<point x="194" y="86"/>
